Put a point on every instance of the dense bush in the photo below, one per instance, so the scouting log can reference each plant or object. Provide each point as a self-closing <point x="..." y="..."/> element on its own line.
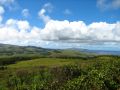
<point x="103" y="74"/>
<point x="99" y="76"/>
<point x="24" y="80"/>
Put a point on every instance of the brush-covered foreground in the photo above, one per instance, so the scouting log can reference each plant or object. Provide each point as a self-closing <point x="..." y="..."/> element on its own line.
<point x="93" y="73"/>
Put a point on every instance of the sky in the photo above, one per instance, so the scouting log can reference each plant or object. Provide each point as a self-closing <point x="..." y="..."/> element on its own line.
<point x="86" y="24"/>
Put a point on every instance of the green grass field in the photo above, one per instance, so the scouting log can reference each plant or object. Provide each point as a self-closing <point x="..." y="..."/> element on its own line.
<point x="51" y="62"/>
<point x="41" y="62"/>
<point x="98" y="73"/>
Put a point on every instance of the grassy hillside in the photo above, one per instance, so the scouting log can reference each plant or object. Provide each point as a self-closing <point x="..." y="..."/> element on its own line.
<point x="6" y="49"/>
<point x="33" y="68"/>
<point x="47" y="62"/>
<point x="10" y="54"/>
<point x="9" y="50"/>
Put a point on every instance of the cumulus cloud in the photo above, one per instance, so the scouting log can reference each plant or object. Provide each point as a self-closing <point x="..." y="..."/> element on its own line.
<point x="23" y="25"/>
<point x="79" y="32"/>
<point x="25" y="13"/>
<point x="44" y="17"/>
<point x="18" y="32"/>
<point x="18" y="24"/>
<point x="46" y="8"/>
<point x="106" y="4"/>
<point x="61" y="32"/>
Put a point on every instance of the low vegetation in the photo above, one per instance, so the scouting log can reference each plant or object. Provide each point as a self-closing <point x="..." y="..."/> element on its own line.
<point x="59" y="70"/>
<point x="98" y="73"/>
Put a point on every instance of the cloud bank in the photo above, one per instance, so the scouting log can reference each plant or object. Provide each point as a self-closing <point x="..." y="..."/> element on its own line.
<point x="61" y="31"/>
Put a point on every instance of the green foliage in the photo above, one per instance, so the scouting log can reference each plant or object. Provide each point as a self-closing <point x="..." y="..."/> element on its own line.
<point x="23" y="80"/>
<point x="95" y="73"/>
<point x="33" y="68"/>
<point x="10" y="54"/>
<point x="102" y="75"/>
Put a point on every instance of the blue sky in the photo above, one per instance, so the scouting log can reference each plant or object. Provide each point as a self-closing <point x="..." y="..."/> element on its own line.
<point x="85" y="10"/>
<point x="61" y="23"/>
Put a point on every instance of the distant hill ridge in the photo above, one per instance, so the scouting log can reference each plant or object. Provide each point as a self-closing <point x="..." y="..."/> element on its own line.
<point x="6" y="49"/>
<point x="14" y="49"/>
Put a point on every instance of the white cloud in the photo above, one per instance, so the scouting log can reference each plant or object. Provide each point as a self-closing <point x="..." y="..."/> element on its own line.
<point x="67" y="12"/>
<point x="79" y="32"/>
<point x="44" y="17"/>
<point x="18" y="24"/>
<point x="1" y="18"/>
<point x="10" y="4"/>
<point x="106" y="4"/>
<point x="48" y="6"/>
<point x="17" y="31"/>
<point x="63" y="30"/>
<point x="97" y="33"/>
<point x="20" y="32"/>
<point x="1" y="13"/>
<point x="25" y="13"/>
<point x="23" y="25"/>
<point x="11" y="22"/>
<point x="1" y="10"/>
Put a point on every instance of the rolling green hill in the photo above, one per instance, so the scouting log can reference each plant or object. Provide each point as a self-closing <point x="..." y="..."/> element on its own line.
<point x="10" y="54"/>
<point x="6" y="49"/>
<point x="35" y="68"/>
